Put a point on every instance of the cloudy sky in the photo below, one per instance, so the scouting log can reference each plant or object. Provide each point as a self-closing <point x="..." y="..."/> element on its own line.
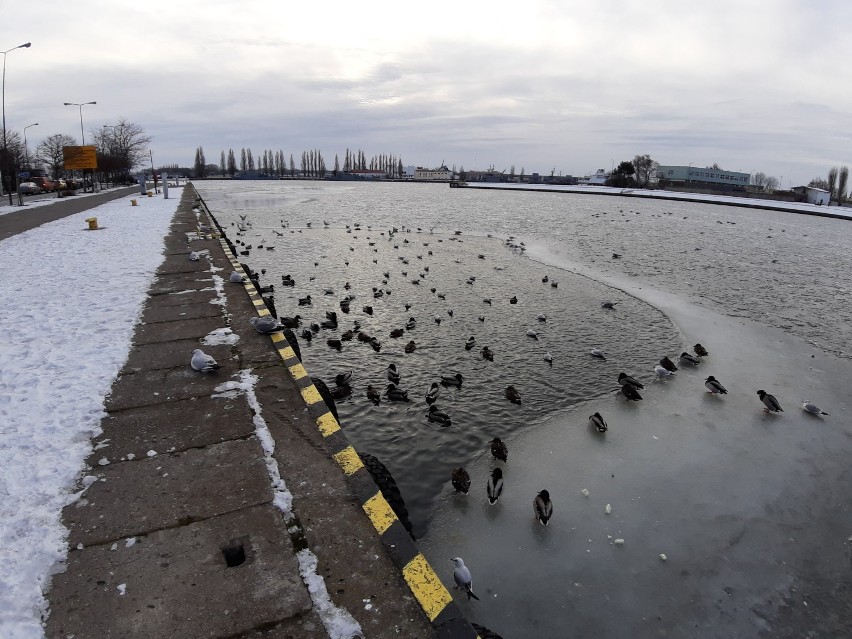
<point x="757" y="85"/>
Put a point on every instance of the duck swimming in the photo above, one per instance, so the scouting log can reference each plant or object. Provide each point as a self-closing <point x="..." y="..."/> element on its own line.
<point x="487" y="354"/>
<point x="373" y="395"/>
<point x="410" y="347"/>
<point x="513" y="395"/>
<point x="470" y="343"/>
<point x="305" y="301"/>
<point x="393" y="374"/>
<point x="452" y="380"/>
<point x="438" y="416"/>
<point x="395" y="394"/>
<point x="432" y="393"/>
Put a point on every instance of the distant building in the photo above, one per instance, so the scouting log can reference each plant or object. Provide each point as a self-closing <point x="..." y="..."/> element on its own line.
<point x="689" y="174"/>
<point x="812" y="195"/>
<point x="368" y="174"/>
<point x="408" y="172"/>
<point x="598" y="179"/>
<point x="441" y="174"/>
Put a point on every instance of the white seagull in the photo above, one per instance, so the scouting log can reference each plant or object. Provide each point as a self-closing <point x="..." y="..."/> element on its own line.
<point x="463" y="578"/>
<point x="811" y="408"/>
<point x="203" y="362"/>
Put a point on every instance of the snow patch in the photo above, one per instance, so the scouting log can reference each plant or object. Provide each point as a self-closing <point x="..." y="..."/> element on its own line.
<point x="220" y="336"/>
<point x="338" y="622"/>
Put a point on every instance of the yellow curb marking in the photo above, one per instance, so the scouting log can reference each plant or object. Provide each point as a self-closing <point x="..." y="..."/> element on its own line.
<point x="380" y="513"/>
<point x="311" y="395"/>
<point x="297" y="370"/>
<point x="327" y="424"/>
<point x="278" y="337"/>
<point x="427" y="588"/>
<point x="348" y="460"/>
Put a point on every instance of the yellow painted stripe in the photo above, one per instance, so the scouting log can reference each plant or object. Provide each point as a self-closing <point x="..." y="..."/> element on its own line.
<point x="263" y="311"/>
<point x="327" y="424"/>
<point x="380" y="513"/>
<point x="311" y="395"/>
<point x="427" y="588"/>
<point x="297" y="371"/>
<point x="258" y="302"/>
<point x="348" y="460"/>
<point x="278" y="337"/>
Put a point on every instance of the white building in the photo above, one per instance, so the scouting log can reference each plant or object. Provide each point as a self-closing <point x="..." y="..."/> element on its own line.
<point x="812" y="195"/>
<point x="408" y="172"/>
<point x="441" y="174"/>
<point x="598" y="179"/>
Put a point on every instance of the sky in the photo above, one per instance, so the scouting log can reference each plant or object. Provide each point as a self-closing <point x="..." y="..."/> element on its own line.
<point x="542" y="86"/>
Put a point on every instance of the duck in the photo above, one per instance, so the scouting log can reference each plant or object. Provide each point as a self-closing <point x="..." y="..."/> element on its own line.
<point x="609" y="305"/>
<point x="334" y="343"/>
<point x="291" y="322"/>
<point x="487" y="354"/>
<point x="373" y="395"/>
<point x="499" y="449"/>
<point x="513" y="300"/>
<point x="343" y="379"/>
<point x="395" y="394"/>
<point x="347" y="335"/>
<point x="410" y="324"/>
<point x="772" y="405"/>
<point x="432" y="393"/>
<point x="668" y="364"/>
<point x="470" y="343"/>
<point x="397" y="332"/>
<point x="375" y="344"/>
<point x="286" y="280"/>
<point x="438" y="416"/>
<point x="700" y="350"/>
<point x="598" y="353"/>
<point x="460" y="480"/>
<point x="328" y="291"/>
<point x="624" y="379"/>
<point x="554" y="284"/>
<point x="513" y="395"/>
<point x="363" y="337"/>
<point x="305" y="301"/>
<point x="307" y="335"/>
<point x="543" y="507"/>
<point x="494" y="488"/>
<point x="714" y="387"/>
<point x="368" y="310"/>
<point x="410" y="347"/>
<point x="541" y="317"/>
<point x="629" y="391"/>
<point x="548" y="358"/>
<point x="437" y="320"/>
<point x="341" y="392"/>
<point x="452" y="380"/>
<point x="686" y="357"/>
<point x="545" y="279"/>
<point x="487" y="300"/>
<point x="393" y="374"/>
<point x="598" y="422"/>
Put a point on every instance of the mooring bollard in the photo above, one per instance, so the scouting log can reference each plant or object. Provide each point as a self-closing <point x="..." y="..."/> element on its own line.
<point x="93" y="223"/>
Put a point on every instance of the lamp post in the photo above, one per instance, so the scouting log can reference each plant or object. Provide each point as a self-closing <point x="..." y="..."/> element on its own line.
<point x="26" y="148"/>
<point x="26" y="45"/>
<point x="81" y="105"/>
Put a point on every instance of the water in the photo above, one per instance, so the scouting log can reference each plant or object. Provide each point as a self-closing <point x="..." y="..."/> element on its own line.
<point x="734" y="498"/>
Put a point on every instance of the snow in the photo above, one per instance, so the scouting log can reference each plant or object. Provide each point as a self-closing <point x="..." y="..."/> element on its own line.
<point x="71" y="298"/>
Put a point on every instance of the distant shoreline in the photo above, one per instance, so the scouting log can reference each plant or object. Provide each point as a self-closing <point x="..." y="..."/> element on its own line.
<point x="841" y="213"/>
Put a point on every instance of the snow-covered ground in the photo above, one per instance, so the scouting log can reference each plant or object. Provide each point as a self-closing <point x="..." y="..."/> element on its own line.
<point x="71" y="298"/>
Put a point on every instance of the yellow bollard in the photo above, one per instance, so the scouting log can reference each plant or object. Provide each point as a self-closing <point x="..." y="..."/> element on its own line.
<point x="132" y="202"/>
<point x="93" y="223"/>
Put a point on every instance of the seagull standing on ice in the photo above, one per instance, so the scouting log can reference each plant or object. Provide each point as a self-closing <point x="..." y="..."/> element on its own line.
<point x="463" y="578"/>
<point x="813" y="409"/>
<point x="203" y="362"/>
<point x="662" y="372"/>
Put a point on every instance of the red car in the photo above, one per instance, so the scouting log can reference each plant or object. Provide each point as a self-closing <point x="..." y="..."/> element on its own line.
<point x="46" y="184"/>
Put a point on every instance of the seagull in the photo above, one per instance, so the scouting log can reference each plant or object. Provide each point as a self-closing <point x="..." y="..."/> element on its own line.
<point x="499" y="450"/>
<point x="700" y="350"/>
<point x="513" y="395"/>
<point x="541" y="317"/>
<point x="543" y="507"/>
<point x="463" y="579"/>
<point x="596" y="352"/>
<point x="461" y="480"/>
<point x="203" y="362"/>
<point x="692" y="359"/>
<point x="813" y="409"/>
<point x="626" y="380"/>
<point x="548" y="358"/>
<point x="265" y="324"/>
<point x="533" y="334"/>
<point x="714" y="387"/>
<point x="236" y="278"/>
<point x="598" y="422"/>
<point x="194" y="256"/>
<point x="772" y="405"/>
<point x="495" y="486"/>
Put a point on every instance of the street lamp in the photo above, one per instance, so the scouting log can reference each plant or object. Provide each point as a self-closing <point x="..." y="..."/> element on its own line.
<point x="26" y="148"/>
<point x="26" y="45"/>
<point x="81" y="105"/>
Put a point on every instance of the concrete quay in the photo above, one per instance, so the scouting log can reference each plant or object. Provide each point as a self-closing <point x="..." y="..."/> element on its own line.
<point x="181" y="532"/>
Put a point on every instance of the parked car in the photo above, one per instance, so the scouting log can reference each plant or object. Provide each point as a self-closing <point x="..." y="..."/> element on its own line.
<point x="29" y="188"/>
<point x="46" y="184"/>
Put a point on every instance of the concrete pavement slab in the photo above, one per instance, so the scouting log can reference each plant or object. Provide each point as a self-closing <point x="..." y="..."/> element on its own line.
<point x="182" y="296"/>
<point x="173" y="426"/>
<point x="164" y="313"/>
<point x="185" y="329"/>
<point x="172" y="489"/>
<point x="176" y="354"/>
<point x="177" y="582"/>
<point x="155" y="387"/>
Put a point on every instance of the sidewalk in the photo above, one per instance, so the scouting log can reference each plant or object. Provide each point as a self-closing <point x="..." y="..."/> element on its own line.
<point x="212" y="495"/>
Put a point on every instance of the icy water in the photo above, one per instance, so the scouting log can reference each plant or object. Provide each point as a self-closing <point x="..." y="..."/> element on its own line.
<point x="735" y="523"/>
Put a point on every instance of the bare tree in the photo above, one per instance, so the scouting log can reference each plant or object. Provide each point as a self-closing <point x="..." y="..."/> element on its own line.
<point x="222" y="166"/>
<point x="843" y="178"/>
<point x="50" y="152"/>
<point x="771" y="183"/>
<point x="645" y="169"/>
<point x="243" y="163"/>
<point x="819" y="183"/>
<point x="232" y="163"/>
<point x="832" y="184"/>
<point x="200" y="163"/>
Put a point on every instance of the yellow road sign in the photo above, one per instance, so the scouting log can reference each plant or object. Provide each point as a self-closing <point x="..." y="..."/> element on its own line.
<point x="80" y="157"/>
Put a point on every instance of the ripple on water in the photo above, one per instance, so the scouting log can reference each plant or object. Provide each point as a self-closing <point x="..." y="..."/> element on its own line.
<point x="421" y="454"/>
